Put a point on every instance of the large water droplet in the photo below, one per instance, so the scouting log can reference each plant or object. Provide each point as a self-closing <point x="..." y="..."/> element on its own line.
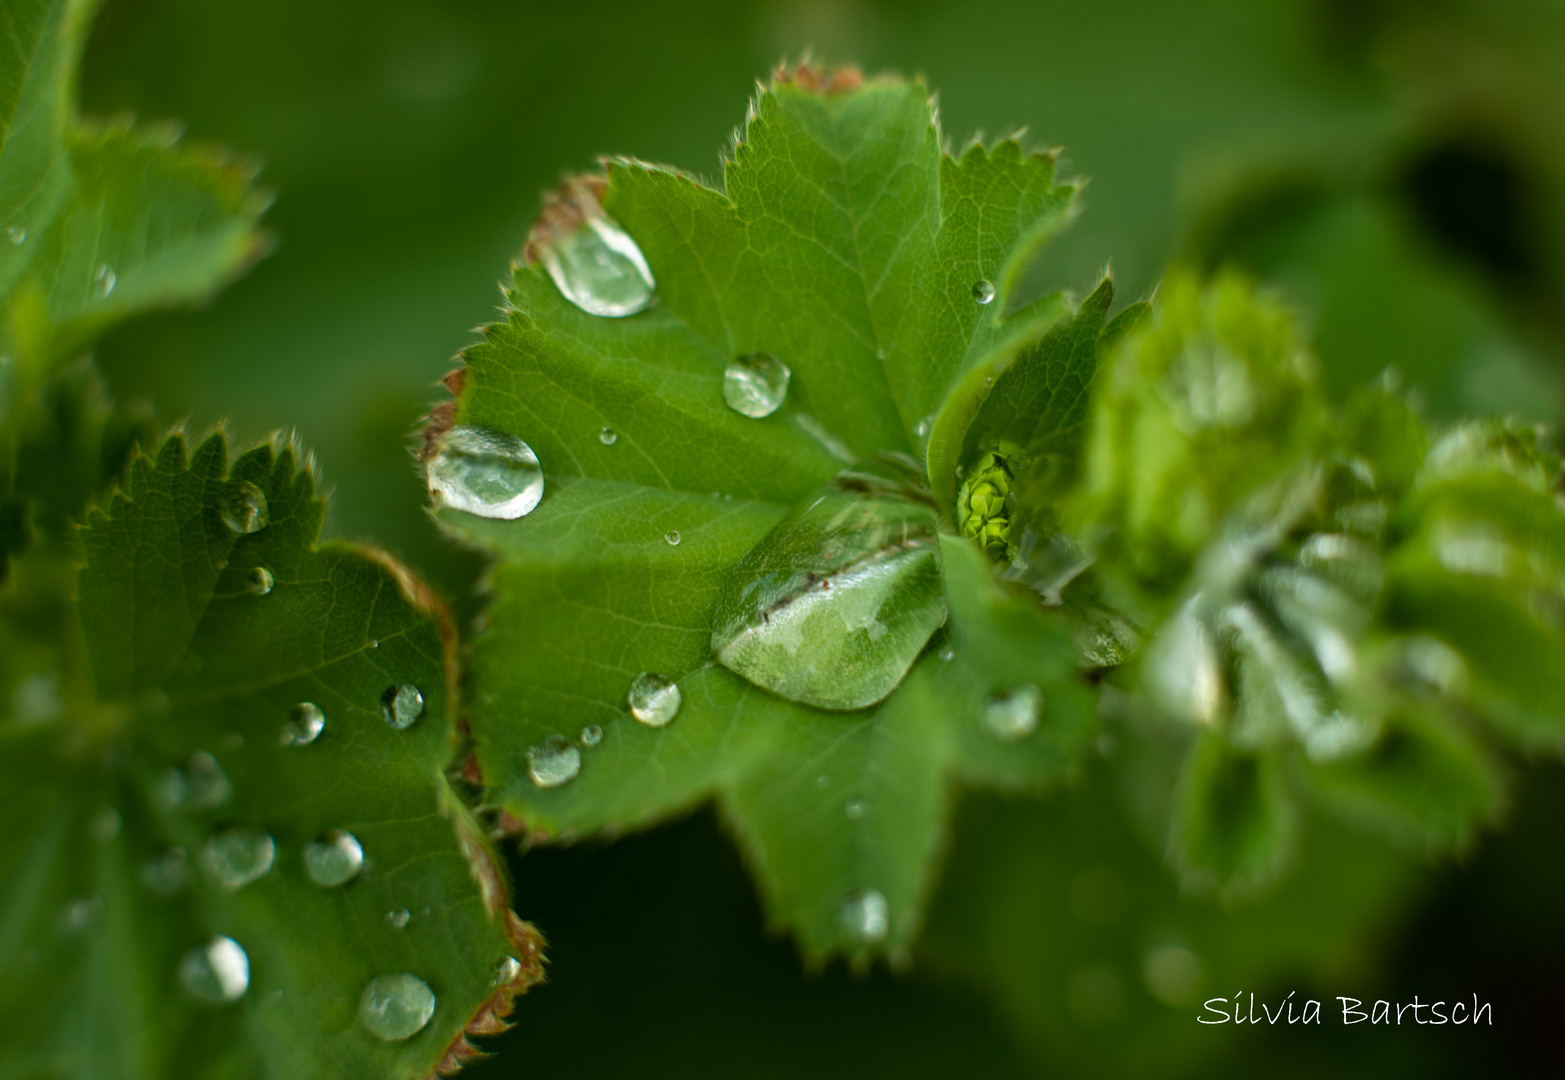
<point x="167" y="873"/>
<point x="1014" y="715"/>
<point x="598" y="267"/>
<point x="261" y="581"/>
<point x="401" y="705"/>
<point x="333" y="859"/>
<point x="104" y="279"/>
<point x="983" y="292"/>
<point x="17" y="234"/>
<point x="591" y="735"/>
<point x="756" y="384"/>
<point x="835" y="604"/>
<point x="866" y="916"/>
<point x="654" y="699"/>
<point x="244" y="508"/>
<point x="553" y="762"/>
<point x="485" y="472"/>
<point x="217" y="972"/>
<point x="235" y="857"/>
<point x="608" y="436"/>
<point x="399" y="917"/>
<point x="672" y="537"/>
<point x="305" y="723"/>
<point x="396" y="1006"/>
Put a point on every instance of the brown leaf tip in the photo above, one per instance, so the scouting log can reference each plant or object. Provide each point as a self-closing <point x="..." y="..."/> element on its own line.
<point x="564" y="210"/>
<point x="517" y="974"/>
<point x="818" y="79"/>
<point x="440" y="420"/>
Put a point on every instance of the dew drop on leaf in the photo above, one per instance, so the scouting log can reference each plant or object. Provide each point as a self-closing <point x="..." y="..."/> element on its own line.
<point x="598" y="267"/>
<point x="217" y="972"/>
<point x="948" y="653"/>
<point x="553" y="762"/>
<point x="81" y="914"/>
<point x="607" y="436"/>
<point x="17" y="234"/>
<point x="983" y="292"/>
<point x="755" y="384"/>
<point x="672" y="537"/>
<point x="1013" y="715"/>
<point x="261" y="581"/>
<point x="924" y="426"/>
<point x="856" y="809"/>
<point x="201" y="785"/>
<point x="235" y="857"/>
<point x="401" y="705"/>
<point x="333" y="859"/>
<point x="506" y="969"/>
<point x="166" y="874"/>
<point x="244" y="508"/>
<point x="396" y="1006"/>
<point x="866" y="916"/>
<point x="654" y="699"/>
<point x="591" y="735"/>
<point x="485" y="472"/>
<point x="305" y="723"/>
<point x="104" y="279"/>
<point x="399" y="917"/>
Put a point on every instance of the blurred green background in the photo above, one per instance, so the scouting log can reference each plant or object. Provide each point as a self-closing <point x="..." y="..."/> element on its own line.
<point x="1397" y="169"/>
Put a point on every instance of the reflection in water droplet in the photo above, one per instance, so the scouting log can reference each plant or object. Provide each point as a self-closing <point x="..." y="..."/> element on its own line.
<point x="948" y="653"/>
<point x="244" y="508"/>
<point x="105" y="824"/>
<point x="672" y="537"/>
<point x="866" y="916"/>
<point x="401" y="705"/>
<point x="608" y="436"/>
<point x="1012" y="716"/>
<point x="167" y="873"/>
<point x="856" y="809"/>
<point x="235" y="857"/>
<point x="396" y="1006"/>
<point x="924" y="425"/>
<point x="553" y="762"/>
<point x="654" y="699"/>
<point x="506" y="969"/>
<point x="16" y="234"/>
<point x="756" y="384"/>
<point x="983" y="292"/>
<point x="305" y="723"/>
<point x="598" y="267"/>
<point x="201" y="785"/>
<point x="261" y="581"/>
<point x="104" y="279"/>
<point x="333" y="859"/>
<point x="399" y="917"/>
<point x="591" y="735"/>
<point x="485" y="472"/>
<point x="217" y="972"/>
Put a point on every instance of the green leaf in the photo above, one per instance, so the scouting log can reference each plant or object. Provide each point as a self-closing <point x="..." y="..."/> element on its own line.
<point x="1235" y="825"/>
<point x="846" y="245"/>
<point x="142" y="774"/>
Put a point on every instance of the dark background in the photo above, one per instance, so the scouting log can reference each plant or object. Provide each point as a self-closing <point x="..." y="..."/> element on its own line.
<point x="1396" y="169"/>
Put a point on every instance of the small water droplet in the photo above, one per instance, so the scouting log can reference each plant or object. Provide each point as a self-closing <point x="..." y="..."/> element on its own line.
<point x="856" y="809"/>
<point x="983" y="292"/>
<point x="396" y="1006"/>
<point x="654" y="699"/>
<point x="105" y="824"/>
<point x="167" y="873"/>
<point x="823" y="781"/>
<point x="866" y="916"/>
<point x="485" y="472"/>
<point x="244" y="508"/>
<point x="591" y="735"/>
<point x="104" y="279"/>
<point x="506" y="969"/>
<point x="399" y="917"/>
<point x="553" y="762"/>
<point x="607" y="436"/>
<point x="237" y="856"/>
<point x="672" y="536"/>
<point x="305" y="723"/>
<point x="201" y="785"/>
<point x="948" y="654"/>
<point x="1014" y="715"/>
<point x="755" y="384"/>
<point x="217" y="972"/>
<point x="924" y="426"/>
<point x="401" y="705"/>
<point x="80" y="914"/>
<point x="261" y="581"/>
<point x="17" y="234"/>
<point x="333" y="859"/>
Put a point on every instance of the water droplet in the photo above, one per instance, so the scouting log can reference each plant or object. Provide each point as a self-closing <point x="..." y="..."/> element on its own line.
<point x="983" y="292"/>
<point x="672" y="536"/>
<point x="553" y="762"/>
<point x="399" y="917"/>
<point x="17" y="234"/>
<point x="235" y="857"/>
<point x="608" y="436"/>
<point x="81" y="914"/>
<point x="593" y="262"/>
<point x="105" y="824"/>
<point x="201" y="785"/>
<point x="866" y="916"/>
<point x="823" y="781"/>
<point x="167" y="873"/>
<point x="924" y="426"/>
<point x="244" y="508"/>
<point x="261" y="581"/>
<point x="401" y="705"/>
<point x="485" y="472"/>
<point x="396" y="1006"/>
<point x="1014" y="715"/>
<point x="217" y="972"/>
<point x="654" y="699"/>
<point x="305" y="723"/>
<point x="856" y="809"/>
<point x="333" y="859"/>
<point x="591" y="735"/>
<point x="835" y="604"/>
<point x="948" y="654"/>
<point x="506" y="969"/>
<point x="756" y="384"/>
<point x="104" y="279"/>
